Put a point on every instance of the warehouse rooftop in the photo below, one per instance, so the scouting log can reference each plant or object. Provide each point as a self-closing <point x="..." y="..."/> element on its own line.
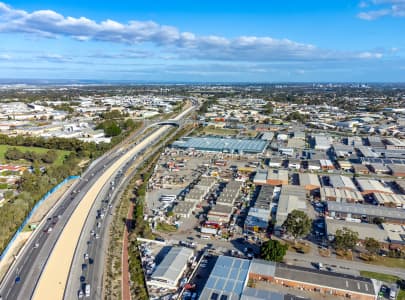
<point x="217" y="144"/>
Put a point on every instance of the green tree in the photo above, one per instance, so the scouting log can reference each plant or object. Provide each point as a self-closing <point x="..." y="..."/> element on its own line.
<point x="273" y="250"/>
<point x="49" y="157"/>
<point x="268" y="108"/>
<point x="110" y="128"/>
<point x="267" y="121"/>
<point x="113" y="114"/>
<point x="297" y="116"/>
<point x="8" y="194"/>
<point x="345" y="239"/>
<point x="378" y="220"/>
<point x="31" y="156"/>
<point x="372" y="245"/>
<point x="13" y="154"/>
<point x="298" y="224"/>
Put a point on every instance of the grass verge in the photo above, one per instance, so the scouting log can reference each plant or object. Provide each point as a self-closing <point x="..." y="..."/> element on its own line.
<point x="386" y="278"/>
<point x="388" y="262"/>
<point x="380" y="276"/>
<point x="164" y="227"/>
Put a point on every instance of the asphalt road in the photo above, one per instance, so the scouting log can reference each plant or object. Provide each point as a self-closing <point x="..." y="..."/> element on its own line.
<point x="96" y="247"/>
<point x="21" y="280"/>
<point x="305" y="260"/>
<point x="22" y="277"/>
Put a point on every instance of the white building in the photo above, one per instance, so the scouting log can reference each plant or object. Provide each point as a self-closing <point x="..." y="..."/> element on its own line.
<point x="171" y="269"/>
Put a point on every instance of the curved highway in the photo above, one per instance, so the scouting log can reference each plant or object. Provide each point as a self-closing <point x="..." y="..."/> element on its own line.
<point x="42" y="268"/>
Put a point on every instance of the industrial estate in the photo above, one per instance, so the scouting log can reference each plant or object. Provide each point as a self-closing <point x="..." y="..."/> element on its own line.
<point x="202" y="150"/>
<point x="203" y="192"/>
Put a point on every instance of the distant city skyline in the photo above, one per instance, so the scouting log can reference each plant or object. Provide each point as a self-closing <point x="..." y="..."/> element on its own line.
<point x="204" y="41"/>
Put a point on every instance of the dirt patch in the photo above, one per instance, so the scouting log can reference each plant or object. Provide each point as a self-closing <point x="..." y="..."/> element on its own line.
<point x="324" y="252"/>
<point x="346" y="255"/>
<point x="12" y="252"/>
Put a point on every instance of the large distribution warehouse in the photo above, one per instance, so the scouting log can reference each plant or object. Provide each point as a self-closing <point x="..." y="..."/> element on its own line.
<point x="227" y="145"/>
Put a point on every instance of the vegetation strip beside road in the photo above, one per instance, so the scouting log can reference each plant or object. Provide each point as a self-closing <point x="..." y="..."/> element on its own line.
<point x="135" y="192"/>
<point x="113" y="270"/>
<point x="68" y="155"/>
<point x="140" y="226"/>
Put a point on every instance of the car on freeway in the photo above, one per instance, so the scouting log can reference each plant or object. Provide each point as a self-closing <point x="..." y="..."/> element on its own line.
<point x="80" y="294"/>
<point x="36" y="245"/>
<point x="86" y="256"/>
<point x="87" y="290"/>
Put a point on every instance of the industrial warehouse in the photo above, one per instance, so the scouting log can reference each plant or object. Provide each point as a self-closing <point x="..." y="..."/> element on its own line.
<point x="226" y="145"/>
<point x="231" y="276"/>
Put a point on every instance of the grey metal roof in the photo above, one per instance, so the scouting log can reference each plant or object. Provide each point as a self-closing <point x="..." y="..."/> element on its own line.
<point x="260" y="177"/>
<point x="221" y="209"/>
<point x="309" y="179"/>
<point x="183" y="207"/>
<point x="222" y="144"/>
<point x="326" y="279"/>
<point x="291" y="197"/>
<point x="397" y="168"/>
<point x="227" y="278"/>
<point x="370" y="210"/>
<point x="384" y="160"/>
<point x="173" y="264"/>
<point x="268" y="136"/>
<point x="339" y="181"/>
<point x="364" y="230"/>
<point x="256" y="294"/>
<point x="265" y="197"/>
<point x="262" y="267"/>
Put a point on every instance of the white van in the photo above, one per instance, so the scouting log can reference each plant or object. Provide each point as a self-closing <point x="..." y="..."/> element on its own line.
<point x="87" y="290"/>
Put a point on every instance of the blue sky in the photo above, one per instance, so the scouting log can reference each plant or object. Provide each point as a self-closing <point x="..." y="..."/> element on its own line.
<point x="178" y="40"/>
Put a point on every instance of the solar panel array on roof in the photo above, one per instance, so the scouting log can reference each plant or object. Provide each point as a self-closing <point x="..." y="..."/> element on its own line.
<point x="222" y="144"/>
<point x="227" y="278"/>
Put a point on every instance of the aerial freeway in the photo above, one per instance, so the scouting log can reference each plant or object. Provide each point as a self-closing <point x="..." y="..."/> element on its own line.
<point x="43" y="268"/>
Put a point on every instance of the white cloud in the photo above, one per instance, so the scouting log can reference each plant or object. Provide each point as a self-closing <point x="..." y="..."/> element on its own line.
<point x="370" y="55"/>
<point x="50" y="24"/>
<point x="5" y="56"/>
<point x="52" y="57"/>
<point x="382" y="8"/>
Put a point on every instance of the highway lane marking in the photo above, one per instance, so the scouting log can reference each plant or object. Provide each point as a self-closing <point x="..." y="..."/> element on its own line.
<point x="59" y="262"/>
<point x="52" y="282"/>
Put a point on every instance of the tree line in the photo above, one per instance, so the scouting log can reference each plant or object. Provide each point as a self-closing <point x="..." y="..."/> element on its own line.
<point x="298" y="225"/>
<point x="48" y="157"/>
<point x="36" y="183"/>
